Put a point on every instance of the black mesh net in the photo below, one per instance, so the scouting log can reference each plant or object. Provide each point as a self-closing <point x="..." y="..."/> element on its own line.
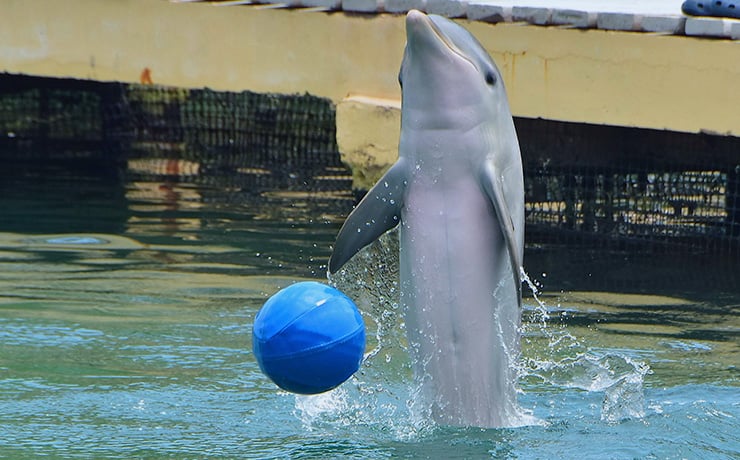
<point x="600" y="185"/>
<point x="622" y="185"/>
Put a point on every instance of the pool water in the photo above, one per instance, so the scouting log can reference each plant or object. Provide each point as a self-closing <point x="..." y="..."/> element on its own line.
<point x="126" y="306"/>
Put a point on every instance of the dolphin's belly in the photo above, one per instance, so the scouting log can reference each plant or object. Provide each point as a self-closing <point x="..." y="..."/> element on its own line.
<point x="460" y="302"/>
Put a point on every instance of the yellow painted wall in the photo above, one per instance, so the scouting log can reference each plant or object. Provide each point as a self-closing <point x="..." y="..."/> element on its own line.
<point x="616" y="78"/>
<point x="197" y="45"/>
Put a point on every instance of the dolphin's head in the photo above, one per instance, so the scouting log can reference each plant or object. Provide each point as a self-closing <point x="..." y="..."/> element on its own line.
<point x="446" y="74"/>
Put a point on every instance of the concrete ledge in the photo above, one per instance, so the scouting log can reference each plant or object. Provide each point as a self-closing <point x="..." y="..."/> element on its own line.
<point x="619" y="21"/>
<point x="448" y="8"/>
<point x="574" y="18"/>
<point x="655" y="16"/>
<point x="403" y="6"/>
<point x="488" y="13"/>
<point x="368" y="151"/>
<point x="330" y="5"/>
<point x="537" y="16"/>
<point x="665" y="24"/>
<point x="710" y="27"/>
<point x="563" y="73"/>
<point x="363" y="6"/>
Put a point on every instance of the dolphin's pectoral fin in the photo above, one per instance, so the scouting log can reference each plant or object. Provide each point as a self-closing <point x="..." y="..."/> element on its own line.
<point x="493" y="188"/>
<point x="378" y="212"/>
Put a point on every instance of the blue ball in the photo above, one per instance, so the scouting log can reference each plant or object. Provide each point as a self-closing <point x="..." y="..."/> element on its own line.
<point x="308" y="338"/>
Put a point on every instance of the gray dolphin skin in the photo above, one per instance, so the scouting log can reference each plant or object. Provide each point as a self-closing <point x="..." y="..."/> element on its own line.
<point x="457" y="192"/>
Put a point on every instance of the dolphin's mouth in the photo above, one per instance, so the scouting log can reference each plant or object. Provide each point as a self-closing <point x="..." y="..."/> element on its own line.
<point x="417" y="17"/>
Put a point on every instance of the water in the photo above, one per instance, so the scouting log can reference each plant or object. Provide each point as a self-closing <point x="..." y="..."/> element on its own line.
<point x="125" y="332"/>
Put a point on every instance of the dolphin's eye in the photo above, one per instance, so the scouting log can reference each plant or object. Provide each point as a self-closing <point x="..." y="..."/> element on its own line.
<point x="490" y="78"/>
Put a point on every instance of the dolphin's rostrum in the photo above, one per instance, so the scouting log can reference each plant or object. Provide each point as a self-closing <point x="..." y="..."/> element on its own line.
<point x="457" y="191"/>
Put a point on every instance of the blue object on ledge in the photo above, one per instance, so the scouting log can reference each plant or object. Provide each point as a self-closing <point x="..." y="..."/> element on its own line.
<point x="714" y="8"/>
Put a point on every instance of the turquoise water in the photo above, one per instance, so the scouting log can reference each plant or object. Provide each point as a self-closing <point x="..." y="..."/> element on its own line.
<point x="125" y="332"/>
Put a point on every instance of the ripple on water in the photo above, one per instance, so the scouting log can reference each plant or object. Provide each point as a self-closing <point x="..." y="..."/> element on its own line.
<point x="136" y="344"/>
<point x="31" y="334"/>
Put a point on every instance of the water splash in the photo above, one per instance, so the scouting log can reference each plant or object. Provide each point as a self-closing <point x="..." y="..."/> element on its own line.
<point x="382" y="393"/>
<point x="624" y="398"/>
<point x="380" y="407"/>
<point x="332" y="406"/>
<point x="372" y="280"/>
<point x="568" y="363"/>
<point x="381" y="388"/>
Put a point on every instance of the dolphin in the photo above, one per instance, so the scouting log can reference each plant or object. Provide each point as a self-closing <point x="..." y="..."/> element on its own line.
<point x="457" y="192"/>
